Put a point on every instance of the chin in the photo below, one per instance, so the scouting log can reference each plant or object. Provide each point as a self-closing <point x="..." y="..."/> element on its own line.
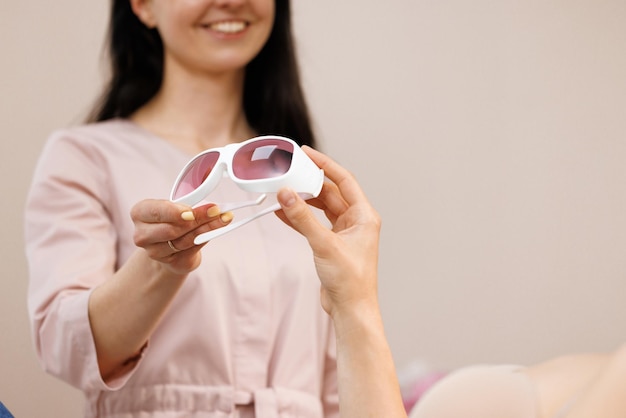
<point x="229" y="63"/>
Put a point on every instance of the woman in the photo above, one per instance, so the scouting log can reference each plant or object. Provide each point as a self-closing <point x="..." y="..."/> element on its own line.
<point x="123" y="305"/>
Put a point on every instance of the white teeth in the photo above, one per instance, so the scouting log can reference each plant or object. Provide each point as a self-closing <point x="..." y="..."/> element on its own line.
<point x="228" y="27"/>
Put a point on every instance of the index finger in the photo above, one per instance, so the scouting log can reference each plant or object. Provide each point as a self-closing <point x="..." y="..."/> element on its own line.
<point x="345" y="181"/>
<point x="158" y="211"/>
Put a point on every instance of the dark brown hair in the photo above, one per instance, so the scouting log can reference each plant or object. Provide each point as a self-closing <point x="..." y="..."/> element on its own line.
<point x="273" y="98"/>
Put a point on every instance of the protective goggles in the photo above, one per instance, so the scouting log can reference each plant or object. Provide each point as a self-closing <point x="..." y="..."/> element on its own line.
<point x="263" y="164"/>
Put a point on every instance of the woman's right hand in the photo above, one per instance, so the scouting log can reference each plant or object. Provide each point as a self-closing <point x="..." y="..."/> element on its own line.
<point x="142" y="288"/>
<point x="166" y="230"/>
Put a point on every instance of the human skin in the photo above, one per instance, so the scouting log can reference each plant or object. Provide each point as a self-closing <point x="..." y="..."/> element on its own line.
<point x="586" y="385"/>
<point x="125" y="309"/>
<point x="346" y="258"/>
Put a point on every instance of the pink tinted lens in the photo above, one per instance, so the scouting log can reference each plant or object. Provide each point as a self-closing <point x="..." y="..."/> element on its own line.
<point x="197" y="171"/>
<point x="262" y="159"/>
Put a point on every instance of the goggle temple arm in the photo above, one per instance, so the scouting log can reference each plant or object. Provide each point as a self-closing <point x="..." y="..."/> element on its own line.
<point x="210" y="235"/>
<point x="227" y="207"/>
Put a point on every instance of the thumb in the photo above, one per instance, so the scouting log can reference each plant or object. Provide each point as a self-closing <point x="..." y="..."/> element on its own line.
<point x="299" y="215"/>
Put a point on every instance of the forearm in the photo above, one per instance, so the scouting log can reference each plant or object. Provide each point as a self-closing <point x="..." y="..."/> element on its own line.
<point x="125" y="309"/>
<point x="368" y="386"/>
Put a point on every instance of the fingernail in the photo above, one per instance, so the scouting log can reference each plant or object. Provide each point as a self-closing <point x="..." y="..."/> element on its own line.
<point x="213" y="211"/>
<point x="226" y="217"/>
<point x="187" y="215"/>
<point x="287" y="197"/>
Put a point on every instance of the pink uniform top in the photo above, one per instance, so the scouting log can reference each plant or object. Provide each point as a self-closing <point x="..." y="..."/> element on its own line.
<point x="245" y="335"/>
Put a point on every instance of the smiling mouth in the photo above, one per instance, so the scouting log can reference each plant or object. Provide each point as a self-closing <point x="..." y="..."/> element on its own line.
<point x="228" y="27"/>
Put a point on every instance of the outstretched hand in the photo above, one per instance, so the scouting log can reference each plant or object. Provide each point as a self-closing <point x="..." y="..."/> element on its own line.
<point x="346" y="256"/>
<point x="166" y="231"/>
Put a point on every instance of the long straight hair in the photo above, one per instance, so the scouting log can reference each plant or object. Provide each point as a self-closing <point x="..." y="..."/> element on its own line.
<point x="273" y="98"/>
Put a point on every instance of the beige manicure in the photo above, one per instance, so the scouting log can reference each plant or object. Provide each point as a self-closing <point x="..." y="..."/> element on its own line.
<point x="187" y="215"/>
<point x="226" y="217"/>
<point x="213" y="211"/>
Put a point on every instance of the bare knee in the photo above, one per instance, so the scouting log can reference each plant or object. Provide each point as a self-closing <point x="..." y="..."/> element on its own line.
<point x="480" y="392"/>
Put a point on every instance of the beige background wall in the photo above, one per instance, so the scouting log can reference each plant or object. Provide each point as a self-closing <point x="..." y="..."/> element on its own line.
<point x="489" y="134"/>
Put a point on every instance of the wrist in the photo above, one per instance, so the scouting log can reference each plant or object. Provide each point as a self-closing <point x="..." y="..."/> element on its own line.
<point x="156" y="270"/>
<point x="357" y="318"/>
